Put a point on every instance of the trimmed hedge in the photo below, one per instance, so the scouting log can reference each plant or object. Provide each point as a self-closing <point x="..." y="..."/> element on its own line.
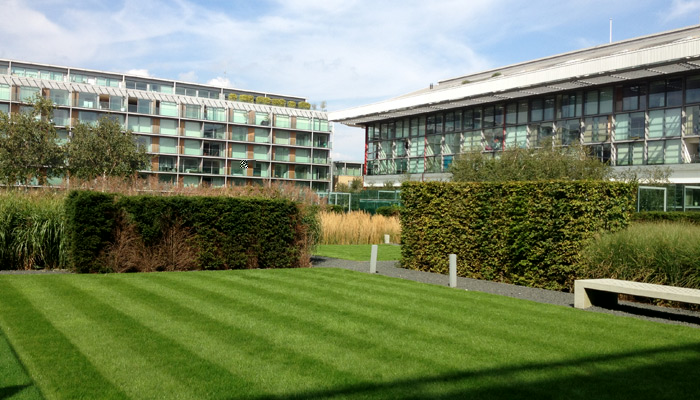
<point x="526" y="233"/>
<point x="227" y="232"/>
<point x="691" y="217"/>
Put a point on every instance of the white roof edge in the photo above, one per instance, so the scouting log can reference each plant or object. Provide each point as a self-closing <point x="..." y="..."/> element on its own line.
<point x="662" y="54"/>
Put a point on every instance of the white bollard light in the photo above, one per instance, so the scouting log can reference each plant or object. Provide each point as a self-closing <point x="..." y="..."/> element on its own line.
<point x="386" y="239"/>
<point x="453" y="270"/>
<point x="373" y="260"/>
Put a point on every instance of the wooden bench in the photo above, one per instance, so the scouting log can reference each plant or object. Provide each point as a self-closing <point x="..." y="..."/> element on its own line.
<point x="603" y="292"/>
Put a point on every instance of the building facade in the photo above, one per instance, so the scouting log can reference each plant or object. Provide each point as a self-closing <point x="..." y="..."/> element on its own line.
<point x="345" y="172"/>
<point x="634" y="103"/>
<point x="195" y="134"/>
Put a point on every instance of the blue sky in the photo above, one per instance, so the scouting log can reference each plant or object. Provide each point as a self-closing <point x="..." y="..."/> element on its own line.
<point x="344" y="52"/>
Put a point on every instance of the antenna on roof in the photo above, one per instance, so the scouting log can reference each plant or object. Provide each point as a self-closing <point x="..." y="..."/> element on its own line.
<point x="610" y="31"/>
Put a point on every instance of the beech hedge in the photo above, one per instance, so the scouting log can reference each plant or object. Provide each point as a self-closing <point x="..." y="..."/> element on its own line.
<point x="227" y="232"/>
<point x="525" y="233"/>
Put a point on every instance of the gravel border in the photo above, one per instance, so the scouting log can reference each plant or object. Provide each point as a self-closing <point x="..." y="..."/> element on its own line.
<point x="627" y="309"/>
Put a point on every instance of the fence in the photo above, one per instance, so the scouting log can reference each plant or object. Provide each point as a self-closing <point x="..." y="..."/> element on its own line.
<point x="366" y="200"/>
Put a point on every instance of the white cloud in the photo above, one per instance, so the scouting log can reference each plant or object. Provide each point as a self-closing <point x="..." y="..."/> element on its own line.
<point x="139" y="72"/>
<point x="221" y="82"/>
<point x="681" y="9"/>
<point x="189" y="76"/>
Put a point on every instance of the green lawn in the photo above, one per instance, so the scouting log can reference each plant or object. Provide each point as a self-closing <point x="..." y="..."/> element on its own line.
<point x="358" y="252"/>
<point x="323" y="333"/>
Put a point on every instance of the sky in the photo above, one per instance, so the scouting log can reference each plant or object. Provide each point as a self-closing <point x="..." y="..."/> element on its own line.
<point x="346" y="53"/>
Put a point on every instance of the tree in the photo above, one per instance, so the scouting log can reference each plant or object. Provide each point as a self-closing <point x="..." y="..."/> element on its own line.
<point x="356" y="185"/>
<point x="104" y="150"/>
<point x="29" y="146"/>
<point x="549" y="162"/>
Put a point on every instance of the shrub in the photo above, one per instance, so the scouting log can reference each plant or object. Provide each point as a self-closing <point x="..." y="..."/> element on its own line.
<point x="262" y="100"/>
<point x="149" y="232"/>
<point x="247" y="98"/>
<point x="232" y="97"/>
<point x="663" y="252"/>
<point x="292" y="104"/>
<point x="304" y="105"/>
<point x="527" y="233"/>
<point x="673" y="216"/>
<point x="278" y="102"/>
<point x="389" y="211"/>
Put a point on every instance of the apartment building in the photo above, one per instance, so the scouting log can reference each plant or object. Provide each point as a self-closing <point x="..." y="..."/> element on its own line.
<point x="195" y="134"/>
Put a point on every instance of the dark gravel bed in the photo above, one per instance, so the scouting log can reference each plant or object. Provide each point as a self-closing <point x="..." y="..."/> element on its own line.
<point x="627" y="309"/>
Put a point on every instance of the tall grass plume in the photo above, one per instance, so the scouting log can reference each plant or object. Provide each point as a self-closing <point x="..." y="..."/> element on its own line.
<point x="358" y="227"/>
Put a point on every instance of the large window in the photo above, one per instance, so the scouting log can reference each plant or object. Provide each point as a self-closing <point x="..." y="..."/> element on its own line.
<point x="239" y="151"/>
<point x="596" y="129"/>
<point x="666" y="93"/>
<point x="168" y="127"/>
<point x="281" y="137"/>
<point x="168" y="109"/>
<point x="303" y="123"/>
<point x="215" y="114"/>
<point x="140" y="124"/>
<point x="193" y="147"/>
<point x="27" y="93"/>
<point x="302" y="156"/>
<point x="262" y="135"/>
<point x="61" y="117"/>
<point x="239" y="133"/>
<point x="516" y="136"/>
<point x="281" y="154"/>
<point x="239" y="117"/>
<point x="168" y="145"/>
<point x="630" y="153"/>
<point x="87" y="100"/>
<point x="5" y="92"/>
<point x="665" y="123"/>
<point x="193" y="129"/>
<point x="193" y="111"/>
<point x="629" y="126"/>
<point x="58" y="97"/>
<point x="214" y="131"/>
<point x="282" y="121"/>
<point x="260" y="153"/>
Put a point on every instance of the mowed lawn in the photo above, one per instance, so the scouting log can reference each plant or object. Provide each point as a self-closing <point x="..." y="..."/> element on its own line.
<point x="358" y="252"/>
<point x="322" y="333"/>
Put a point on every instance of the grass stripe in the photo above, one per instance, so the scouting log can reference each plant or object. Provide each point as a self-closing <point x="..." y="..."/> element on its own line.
<point x="15" y="383"/>
<point x="50" y="357"/>
<point x="257" y="349"/>
<point x="282" y="331"/>
<point x="175" y="370"/>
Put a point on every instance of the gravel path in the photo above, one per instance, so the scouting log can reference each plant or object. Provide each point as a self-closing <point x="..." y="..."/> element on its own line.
<point x="635" y="310"/>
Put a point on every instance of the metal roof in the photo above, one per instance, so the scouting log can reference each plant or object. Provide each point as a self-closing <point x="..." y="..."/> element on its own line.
<point x="648" y="56"/>
<point x="173" y="98"/>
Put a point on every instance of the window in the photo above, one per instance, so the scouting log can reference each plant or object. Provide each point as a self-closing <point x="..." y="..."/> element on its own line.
<point x="262" y="135"/>
<point x="281" y="171"/>
<point x="632" y="98"/>
<point x="630" y="154"/>
<point x="239" y="151"/>
<point x="214" y="131"/>
<point x="185" y="91"/>
<point x="240" y="117"/>
<point x="260" y="169"/>
<point x="27" y="93"/>
<point x="451" y="143"/>
<point x="301" y="172"/>
<point x="303" y="123"/>
<point x="665" y="123"/>
<point x="260" y="153"/>
<point x="61" y="117"/>
<point x="571" y="105"/>
<point x="542" y="133"/>
<point x="116" y="103"/>
<point x="320" y="157"/>
<point x="303" y="139"/>
<point x="4" y="92"/>
<point x="281" y="137"/>
<point x="168" y="109"/>
<point x="516" y="136"/>
<point x="629" y="126"/>
<point x="537" y="110"/>
<point x="168" y="127"/>
<point x="417" y="147"/>
<point x="472" y="141"/>
<point x="692" y="89"/>
<point x="213" y="149"/>
<point x="302" y="156"/>
<point x="168" y="145"/>
<point x="282" y="121"/>
<point x="591" y="103"/>
<point x="189" y="165"/>
<point x="193" y="111"/>
<point x="87" y="100"/>
<point x="281" y="154"/>
<point x="568" y="132"/>
<point x="320" y="140"/>
<point x="434" y="145"/>
<point x="416" y="165"/>
<point x="215" y="114"/>
<point x="88" y="117"/>
<point x="239" y="133"/>
<point x="140" y="124"/>
<point x="213" y="167"/>
<point x="262" y="119"/>
<point x="692" y="127"/>
<point x="595" y="129"/>
<point x="193" y="147"/>
<point x="193" y="129"/>
<point x="58" y="97"/>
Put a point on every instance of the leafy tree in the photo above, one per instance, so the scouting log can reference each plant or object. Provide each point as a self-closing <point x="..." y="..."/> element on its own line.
<point x="104" y="150"/>
<point x="546" y="163"/>
<point x="356" y="185"/>
<point x="29" y="145"/>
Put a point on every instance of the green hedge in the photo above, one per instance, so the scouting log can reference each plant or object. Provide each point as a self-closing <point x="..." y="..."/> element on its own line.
<point x="227" y="232"/>
<point x="527" y="233"/>
<point x="692" y="217"/>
